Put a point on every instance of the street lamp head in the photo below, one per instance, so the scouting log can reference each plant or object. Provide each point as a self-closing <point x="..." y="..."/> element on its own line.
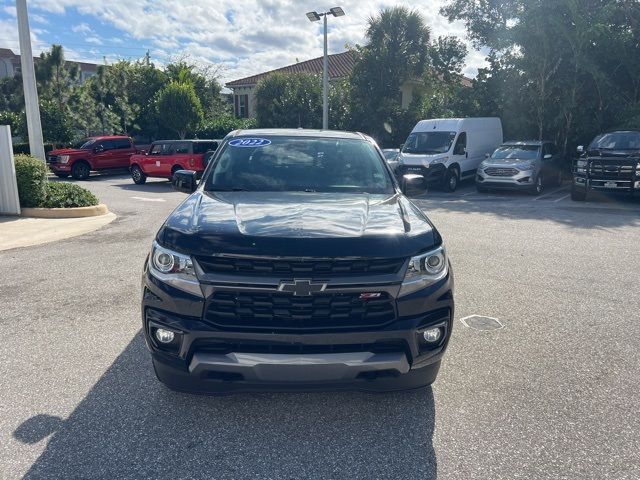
<point x="313" y="16"/>
<point x="337" y="11"/>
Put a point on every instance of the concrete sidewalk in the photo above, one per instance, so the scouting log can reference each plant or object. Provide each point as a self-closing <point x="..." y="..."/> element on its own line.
<point x="16" y="232"/>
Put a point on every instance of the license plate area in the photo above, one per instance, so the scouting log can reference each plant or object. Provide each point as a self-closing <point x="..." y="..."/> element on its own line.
<point x="610" y="184"/>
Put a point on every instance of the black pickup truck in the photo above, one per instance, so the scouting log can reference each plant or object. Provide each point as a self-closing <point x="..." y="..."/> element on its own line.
<point x="297" y="262"/>
<point x="611" y="162"/>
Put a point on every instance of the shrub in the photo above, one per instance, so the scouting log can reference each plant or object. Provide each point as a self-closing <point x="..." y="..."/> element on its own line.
<point x="219" y="126"/>
<point x="31" y="176"/>
<point x="67" y="195"/>
<point x="23" y="148"/>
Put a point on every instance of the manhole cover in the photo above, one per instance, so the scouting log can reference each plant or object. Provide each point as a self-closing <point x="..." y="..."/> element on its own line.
<point x="479" y="322"/>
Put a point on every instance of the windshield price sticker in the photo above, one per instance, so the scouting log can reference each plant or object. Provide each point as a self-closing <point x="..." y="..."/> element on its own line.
<point x="250" y="142"/>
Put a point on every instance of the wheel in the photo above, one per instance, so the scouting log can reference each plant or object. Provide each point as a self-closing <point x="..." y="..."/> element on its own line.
<point x="578" y="195"/>
<point x="451" y="179"/>
<point x="62" y="175"/>
<point x="138" y="175"/>
<point x="80" y="170"/>
<point x="538" y="188"/>
<point x="173" y="171"/>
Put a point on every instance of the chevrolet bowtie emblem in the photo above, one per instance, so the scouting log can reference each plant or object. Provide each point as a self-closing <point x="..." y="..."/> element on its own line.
<point x="301" y="288"/>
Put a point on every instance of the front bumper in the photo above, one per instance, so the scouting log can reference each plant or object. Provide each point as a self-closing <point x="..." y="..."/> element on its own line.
<point x="630" y="185"/>
<point x="206" y="359"/>
<point x="523" y="180"/>
<point x="59" y="167"/>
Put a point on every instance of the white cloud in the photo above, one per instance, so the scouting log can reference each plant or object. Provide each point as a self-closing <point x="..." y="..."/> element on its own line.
<point x="81" y="28"/>
<point x="246" y="36"/>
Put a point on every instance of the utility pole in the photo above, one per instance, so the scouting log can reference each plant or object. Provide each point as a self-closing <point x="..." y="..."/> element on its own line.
<point x="32" y="107"/>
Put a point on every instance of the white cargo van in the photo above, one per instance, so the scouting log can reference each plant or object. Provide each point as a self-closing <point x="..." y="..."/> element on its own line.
<point x="446" y="150"/>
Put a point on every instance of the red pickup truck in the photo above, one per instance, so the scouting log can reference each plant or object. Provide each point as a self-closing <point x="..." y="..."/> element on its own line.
<point x="165" y="157"/>
<point x="93" y="154"/>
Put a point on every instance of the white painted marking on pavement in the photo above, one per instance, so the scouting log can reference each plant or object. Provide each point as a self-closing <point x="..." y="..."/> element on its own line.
<point x="551" y="193"/>
<point x="147" y="199"/>
<point x="562" y="198"/>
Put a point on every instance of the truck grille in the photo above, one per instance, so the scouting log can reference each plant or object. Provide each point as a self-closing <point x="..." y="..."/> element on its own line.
<point x="611" y="170"/>
<point x="284" y="311"/>
<point x="501" y="172"/>
<point x="299" y="267"/>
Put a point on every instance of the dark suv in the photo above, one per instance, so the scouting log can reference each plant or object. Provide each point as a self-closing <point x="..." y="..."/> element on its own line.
<point x="611" y="162"/>
<point x="297" y="262"/>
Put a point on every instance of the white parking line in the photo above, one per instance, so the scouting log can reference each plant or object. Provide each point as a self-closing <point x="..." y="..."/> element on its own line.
<point x="147" y="199"/>
<point x="562" y="198"/>
<point x="551" y="193"/>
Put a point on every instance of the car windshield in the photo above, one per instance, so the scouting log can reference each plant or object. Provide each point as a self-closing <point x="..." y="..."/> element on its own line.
<point x="282" y="163"/>
<point x="616" y="141"/>
<point x="516" y="152"/>
<point x="85" y="143"/>
<point x="429" y="142"/>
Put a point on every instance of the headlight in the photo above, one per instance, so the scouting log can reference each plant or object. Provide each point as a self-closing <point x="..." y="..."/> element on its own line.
<point x="581" y="166"/>
<point x="441" y="160"/>
<point x="63" y="158"/>
<point x="425" y="270"/>
<point x="174" y="268"/>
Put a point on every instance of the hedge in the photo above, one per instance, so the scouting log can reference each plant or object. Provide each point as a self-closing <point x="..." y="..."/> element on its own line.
<point x="31" y="175"/>
<point x="67" y="195"/>
<point x="35" y="191"/>
<point x="23" y="148"/>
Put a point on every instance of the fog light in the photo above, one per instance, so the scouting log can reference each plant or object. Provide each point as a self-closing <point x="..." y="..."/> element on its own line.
<point x="164" y="336"/>
<point x="432" y="335"/>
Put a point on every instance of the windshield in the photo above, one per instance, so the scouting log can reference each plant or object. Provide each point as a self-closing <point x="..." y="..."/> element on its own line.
<point x="616" y="141"/>
<point x="84" y="144"/>
<point x="517" y="152"/>
<point x="286" y="164"/>
<point x="429" y="142"/>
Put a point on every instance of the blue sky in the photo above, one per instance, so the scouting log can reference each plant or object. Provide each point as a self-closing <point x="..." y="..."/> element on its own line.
<point x="236" y="37"/>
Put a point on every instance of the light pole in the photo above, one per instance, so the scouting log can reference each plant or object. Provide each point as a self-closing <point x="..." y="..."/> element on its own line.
<point x="314" y="17"/>
<point x="31" y="106"/>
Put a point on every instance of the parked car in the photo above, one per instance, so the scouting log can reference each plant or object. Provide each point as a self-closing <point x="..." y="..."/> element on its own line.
<point x="523" y="165"/>
<point x="297" y="262"/>
<point x="611" y="162"/>
<point x="165" y="157"/>
<point x="448" y="150"/>
<point x="92" y="154"/>
<point x="391" y="156"/>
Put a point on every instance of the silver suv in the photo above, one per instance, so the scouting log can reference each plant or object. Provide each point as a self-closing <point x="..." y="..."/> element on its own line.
<point x="526" y="165"/>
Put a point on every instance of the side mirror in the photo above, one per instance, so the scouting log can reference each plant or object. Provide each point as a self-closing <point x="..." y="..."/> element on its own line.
<point x="98" y="149"/>
<point x="547" y="156"/>
<point x="413" y="185"/>
<point x="184" y="181"/>
<point x="487" y="155"/>
<point x="401" y="146"/>
<point x="580" y="149"/>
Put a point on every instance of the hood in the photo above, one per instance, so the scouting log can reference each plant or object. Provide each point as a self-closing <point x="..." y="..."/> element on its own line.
<point x="420" y="158"/>
<point x="67" y="151"/>
<point x="612" y="154"/>
<point x="298" y="224"/>
<point x="508" y="162"/>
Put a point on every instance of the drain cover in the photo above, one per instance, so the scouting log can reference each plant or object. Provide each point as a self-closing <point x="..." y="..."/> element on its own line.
<point x="478" y="322"/>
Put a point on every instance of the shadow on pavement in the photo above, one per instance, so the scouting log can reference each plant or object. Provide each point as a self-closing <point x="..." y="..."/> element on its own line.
<point x="155" y="185"/>
<point x="130" y="426"/>
<point x="600" y="211"/>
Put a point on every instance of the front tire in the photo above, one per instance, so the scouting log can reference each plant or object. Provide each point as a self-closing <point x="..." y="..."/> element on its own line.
<point x="80" y="170"/>
<point x="137" y="175"/>
<point x="538" y="188"/>
<point x="451" y="179"/>
<point x="578" y="195"/>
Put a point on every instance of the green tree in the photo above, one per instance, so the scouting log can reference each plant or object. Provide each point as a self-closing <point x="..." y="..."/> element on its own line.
<point x="56" y="77"/>
<point x="289" y="101"/>
<point x="179" y="108"/>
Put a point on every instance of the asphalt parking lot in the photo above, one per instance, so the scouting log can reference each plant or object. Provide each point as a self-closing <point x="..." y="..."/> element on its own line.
<point x="552" y="394"/>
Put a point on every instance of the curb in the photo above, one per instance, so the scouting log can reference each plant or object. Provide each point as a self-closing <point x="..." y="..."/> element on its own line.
<point x="77" y="212"/>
